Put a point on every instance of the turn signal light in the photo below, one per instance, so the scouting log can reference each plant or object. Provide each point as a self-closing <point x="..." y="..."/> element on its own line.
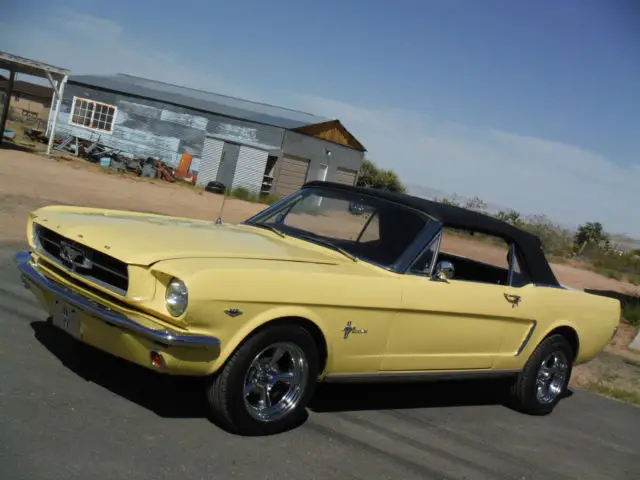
<point x="156" y="360"/>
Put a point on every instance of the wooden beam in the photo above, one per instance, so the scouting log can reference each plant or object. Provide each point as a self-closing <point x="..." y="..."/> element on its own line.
<point x="332" y="131"/>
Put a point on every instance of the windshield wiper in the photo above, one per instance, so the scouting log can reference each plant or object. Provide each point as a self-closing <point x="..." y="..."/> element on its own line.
<point x="271" y="228"/>
<point x="329" y="244"/>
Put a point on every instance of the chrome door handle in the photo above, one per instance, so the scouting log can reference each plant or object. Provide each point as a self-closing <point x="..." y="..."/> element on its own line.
<point x="514" y="300"/>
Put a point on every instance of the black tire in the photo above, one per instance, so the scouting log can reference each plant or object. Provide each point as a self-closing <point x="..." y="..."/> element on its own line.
<point x="225" y="390"/>
<point x="524" y="392"/>
<point x="215" y="187"/>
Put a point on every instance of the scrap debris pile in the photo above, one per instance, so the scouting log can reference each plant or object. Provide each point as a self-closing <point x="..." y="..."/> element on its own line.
<point x="115" y="159"/>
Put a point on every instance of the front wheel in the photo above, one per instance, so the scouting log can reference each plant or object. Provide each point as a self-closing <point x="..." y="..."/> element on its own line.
<point x="266" y="384"/>
<point x="544" y="380"/>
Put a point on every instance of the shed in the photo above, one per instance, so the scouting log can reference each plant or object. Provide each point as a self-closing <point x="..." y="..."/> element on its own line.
<point x="264" y="148"/>
<point x="56" y="76"/>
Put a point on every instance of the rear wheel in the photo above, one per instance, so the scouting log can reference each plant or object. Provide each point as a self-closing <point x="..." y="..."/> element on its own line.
<point x="544" y="380"/>
<point x="266" y="384"/>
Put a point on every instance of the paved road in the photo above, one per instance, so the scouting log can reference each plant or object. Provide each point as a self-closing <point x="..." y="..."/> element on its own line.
<point x="65" y="419"/>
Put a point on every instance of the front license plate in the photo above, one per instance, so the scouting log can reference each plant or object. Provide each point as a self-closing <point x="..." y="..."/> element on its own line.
<point x="66" y="318"/>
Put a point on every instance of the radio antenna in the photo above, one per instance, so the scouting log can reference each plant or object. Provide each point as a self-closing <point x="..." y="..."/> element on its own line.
<point x="224" y="198"/>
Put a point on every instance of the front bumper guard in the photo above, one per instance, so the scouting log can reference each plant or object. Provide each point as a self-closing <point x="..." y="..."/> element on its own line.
<point x="164" y="337"/>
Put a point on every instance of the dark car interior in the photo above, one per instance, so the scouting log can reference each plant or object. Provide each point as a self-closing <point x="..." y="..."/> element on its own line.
<point x="398" y="228"/>
<point x="475" y="271"/>
<point x="471" y="270"/>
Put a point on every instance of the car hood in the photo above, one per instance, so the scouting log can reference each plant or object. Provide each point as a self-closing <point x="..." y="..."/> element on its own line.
<point x="144" y="239"/>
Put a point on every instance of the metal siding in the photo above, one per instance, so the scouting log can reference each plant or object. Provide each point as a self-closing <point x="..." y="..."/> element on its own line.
<point x="316" y="149"/>
<point x="246" y="133"/>
<point x="293" y="174"/>
<point x="252" y="163"/>
<point x="146" y="128"/>
<point x="210" y="161"/>
<point x="346" y="176"/>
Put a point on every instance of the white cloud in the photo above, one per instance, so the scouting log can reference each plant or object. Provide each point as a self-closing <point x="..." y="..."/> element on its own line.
<point x="533" y="175"/>
<point x="87" y="44"/>
<point x="530" y="174"/>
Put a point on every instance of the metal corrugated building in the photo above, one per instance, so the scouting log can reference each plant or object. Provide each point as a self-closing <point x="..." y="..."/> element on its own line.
<point x="263" y="148"/>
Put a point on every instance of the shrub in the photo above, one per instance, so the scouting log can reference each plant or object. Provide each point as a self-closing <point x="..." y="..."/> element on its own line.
<point x="556" y="241"/>
<point x="240" y="193"/>
<point x="270" y="199"/>
<point x="631" y="313"/>
<point x="373" y="177"/>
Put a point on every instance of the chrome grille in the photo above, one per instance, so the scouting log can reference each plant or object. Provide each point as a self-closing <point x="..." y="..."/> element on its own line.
<point x="94" y="266"/>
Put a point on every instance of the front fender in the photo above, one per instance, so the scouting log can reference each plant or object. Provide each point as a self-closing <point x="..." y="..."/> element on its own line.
<point x="244" y="330"/>
<point x="230" y="298"/>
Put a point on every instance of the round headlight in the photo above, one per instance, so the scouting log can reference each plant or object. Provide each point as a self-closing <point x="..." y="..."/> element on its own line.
<point x="177" y="297"/>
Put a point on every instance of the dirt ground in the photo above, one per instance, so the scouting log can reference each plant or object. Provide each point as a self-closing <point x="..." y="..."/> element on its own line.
<point x="29" y="181"/>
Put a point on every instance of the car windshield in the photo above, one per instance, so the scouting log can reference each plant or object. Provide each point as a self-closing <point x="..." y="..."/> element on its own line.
<point x="362" y="227"/>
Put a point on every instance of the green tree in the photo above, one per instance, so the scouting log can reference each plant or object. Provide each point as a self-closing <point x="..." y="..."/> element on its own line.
<point x="371" y="176"/>
<point x="589" y="233"/>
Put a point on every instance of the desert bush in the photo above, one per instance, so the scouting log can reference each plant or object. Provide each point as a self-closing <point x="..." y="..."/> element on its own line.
<point x="241" y="193"/>
<point x="631" y="314"/>
<point x="612" y="263"/>
<point x="270" y="199"/>
<point x="556" y="241"/>
<point x="510" y="216"/>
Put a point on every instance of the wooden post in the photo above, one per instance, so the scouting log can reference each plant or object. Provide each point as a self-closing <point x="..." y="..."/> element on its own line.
<point x="5" y="108"/>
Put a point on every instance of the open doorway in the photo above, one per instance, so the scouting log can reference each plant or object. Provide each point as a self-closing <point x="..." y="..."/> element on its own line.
<point x="269" y="176"/>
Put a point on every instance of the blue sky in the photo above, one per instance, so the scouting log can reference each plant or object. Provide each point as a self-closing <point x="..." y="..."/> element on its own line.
<point x="531" y="105"/>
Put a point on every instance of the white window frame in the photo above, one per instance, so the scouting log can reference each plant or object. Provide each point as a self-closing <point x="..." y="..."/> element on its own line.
<point x="95" y="103"/>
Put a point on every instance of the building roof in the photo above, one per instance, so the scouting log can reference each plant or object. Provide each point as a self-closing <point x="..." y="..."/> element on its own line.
<point x="465" y="219"/>
<point x="27" y="66"/>
<point x="199" y="100"/>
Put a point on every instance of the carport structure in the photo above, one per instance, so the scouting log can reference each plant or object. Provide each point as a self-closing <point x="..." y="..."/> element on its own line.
<point x="57" y="76"/>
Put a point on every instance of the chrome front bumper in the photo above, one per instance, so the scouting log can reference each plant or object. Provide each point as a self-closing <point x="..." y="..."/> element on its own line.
<point x="31" y="277"/>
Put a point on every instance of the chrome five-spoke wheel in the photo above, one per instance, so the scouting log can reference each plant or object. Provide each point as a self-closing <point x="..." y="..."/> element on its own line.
<point x="275" y="381"/>
<point x="552" y="376"/>
<point x="543" y="381"/>
<point x="266" y="384"/>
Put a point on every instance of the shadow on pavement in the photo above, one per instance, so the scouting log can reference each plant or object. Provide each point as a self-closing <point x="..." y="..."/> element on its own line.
<point x="398" y="396"/>
<point x="171" y="397"/>
<point x="5" y="145"/>
<point x="183" y="397"/>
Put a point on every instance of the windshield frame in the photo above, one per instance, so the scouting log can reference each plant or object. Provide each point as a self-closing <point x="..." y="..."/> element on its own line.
<point x="405" y="259"/>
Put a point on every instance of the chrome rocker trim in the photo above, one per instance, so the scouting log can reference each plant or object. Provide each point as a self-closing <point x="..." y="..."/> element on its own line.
<point x="164" y="337"/>
<point x="410" y="377"/>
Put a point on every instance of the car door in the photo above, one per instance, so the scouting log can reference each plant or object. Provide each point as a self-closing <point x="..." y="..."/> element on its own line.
<point x="456" y="324"/>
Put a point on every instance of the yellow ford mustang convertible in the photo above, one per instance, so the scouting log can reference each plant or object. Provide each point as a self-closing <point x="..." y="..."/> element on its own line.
<point x="333" y="283"/>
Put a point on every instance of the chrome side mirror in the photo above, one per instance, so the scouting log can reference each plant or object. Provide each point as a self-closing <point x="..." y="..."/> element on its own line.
<point x="444" y="271"/>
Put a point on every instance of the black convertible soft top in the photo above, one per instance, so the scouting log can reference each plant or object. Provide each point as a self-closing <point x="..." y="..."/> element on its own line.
<point x="462" y="218"/>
